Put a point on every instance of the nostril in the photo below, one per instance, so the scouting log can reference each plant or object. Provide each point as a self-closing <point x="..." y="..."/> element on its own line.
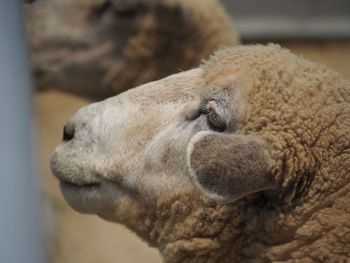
<point x="68" y="133"/>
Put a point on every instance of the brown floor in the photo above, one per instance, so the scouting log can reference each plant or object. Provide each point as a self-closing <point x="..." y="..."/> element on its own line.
<point x="88" y="239"/>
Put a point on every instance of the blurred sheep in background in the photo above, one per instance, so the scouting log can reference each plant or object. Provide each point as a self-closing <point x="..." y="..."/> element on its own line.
<point x="99" y="48"/>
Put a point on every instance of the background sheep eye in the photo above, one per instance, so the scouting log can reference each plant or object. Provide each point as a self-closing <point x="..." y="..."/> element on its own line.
<point x="130" y="12"/>
<point x="101" y="9"/>
<point x="118" y="10"/>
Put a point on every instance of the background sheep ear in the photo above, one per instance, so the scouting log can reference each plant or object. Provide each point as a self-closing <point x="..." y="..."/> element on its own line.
<point x="228" y="167"/>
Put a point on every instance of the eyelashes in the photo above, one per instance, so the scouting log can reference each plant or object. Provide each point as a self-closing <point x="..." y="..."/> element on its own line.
<point x="214" y="120"/>
<point x="212" y="113"/>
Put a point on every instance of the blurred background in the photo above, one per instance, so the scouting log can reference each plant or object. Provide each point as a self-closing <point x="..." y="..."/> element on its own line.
<point x="57" y="30"/>
<point x="292" y="20"/>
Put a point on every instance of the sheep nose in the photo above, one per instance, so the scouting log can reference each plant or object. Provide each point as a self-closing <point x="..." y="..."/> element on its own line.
<point x="68" y="132"/>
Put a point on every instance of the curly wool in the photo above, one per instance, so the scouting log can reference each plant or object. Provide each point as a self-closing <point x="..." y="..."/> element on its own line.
<point x="300" y="107"/>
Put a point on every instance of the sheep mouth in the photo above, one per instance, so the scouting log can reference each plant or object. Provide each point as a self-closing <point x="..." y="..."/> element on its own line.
<point x="79" y="185"/>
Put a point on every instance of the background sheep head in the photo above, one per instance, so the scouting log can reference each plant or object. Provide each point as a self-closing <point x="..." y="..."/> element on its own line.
<point x="99" y="48"/>
<point x="245" y="158"/>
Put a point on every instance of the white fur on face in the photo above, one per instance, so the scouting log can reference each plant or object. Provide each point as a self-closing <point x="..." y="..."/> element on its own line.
<point x="132" y="146"/>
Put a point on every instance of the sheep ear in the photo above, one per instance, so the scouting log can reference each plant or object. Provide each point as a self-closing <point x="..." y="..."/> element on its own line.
<point x="228" y="167"/>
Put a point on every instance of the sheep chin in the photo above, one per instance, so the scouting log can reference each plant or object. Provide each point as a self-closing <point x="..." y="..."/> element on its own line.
<point x="101" y="198"/>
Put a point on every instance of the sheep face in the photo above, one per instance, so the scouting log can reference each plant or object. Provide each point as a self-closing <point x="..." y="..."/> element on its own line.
<point x="130" y="148"/>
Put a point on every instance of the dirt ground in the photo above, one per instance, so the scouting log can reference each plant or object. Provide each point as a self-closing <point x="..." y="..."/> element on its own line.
<point x="88" y="239"/>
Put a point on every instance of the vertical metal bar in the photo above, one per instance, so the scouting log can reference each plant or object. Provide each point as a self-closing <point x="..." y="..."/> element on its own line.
<point x="20" y="216"/>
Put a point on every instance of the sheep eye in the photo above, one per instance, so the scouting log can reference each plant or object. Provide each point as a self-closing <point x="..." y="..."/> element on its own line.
<point x="215" y="122"/>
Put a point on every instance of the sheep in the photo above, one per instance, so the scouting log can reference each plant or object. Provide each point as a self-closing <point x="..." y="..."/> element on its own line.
<point x="244" y="159"/>
<point x="99" y="48"/>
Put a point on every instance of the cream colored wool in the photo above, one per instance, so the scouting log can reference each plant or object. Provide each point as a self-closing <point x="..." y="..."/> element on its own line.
<point x="282" y="115"/>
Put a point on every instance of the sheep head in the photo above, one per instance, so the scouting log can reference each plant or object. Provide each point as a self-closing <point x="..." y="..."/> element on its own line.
<point x="99" y="48"/>
<point x="227" y="161"/>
